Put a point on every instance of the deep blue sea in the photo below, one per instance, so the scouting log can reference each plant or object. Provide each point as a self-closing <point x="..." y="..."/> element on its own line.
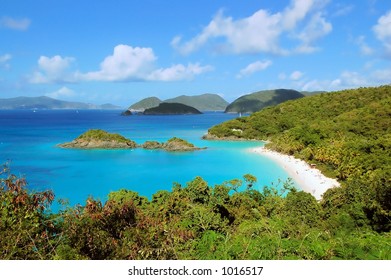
<point x="28" y="142"/>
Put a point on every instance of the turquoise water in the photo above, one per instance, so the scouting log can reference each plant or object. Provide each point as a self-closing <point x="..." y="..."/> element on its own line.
<point x="28" y="141"/>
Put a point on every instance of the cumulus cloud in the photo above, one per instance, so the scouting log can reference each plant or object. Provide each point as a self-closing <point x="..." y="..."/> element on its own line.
<point x="296" y="75"/>
<point x="63" y="92"/>
<point x="254" y="67"/>
<point x="315" y="29"/>
<point x="347" y="79"/>
<point x="126" y="64"/>
<point x="138" y="64"/>
<point x="53" y="70"/>
<point x="15" y="24"/>
<point x="383" y="31"/>
<point x="343" y="10"/>
<point x="261" y="31"/>
<point x="364" y="48"/>
<point x="4" y="59"/>
<point x="178" y="72"/>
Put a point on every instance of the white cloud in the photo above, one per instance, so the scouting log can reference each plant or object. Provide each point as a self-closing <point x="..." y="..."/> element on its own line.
<point x="15" y="24"/>
<point x="254" y="67"/>
<point x="382" y="76"/>
<point x="132" y="64"/>
<point x="282" y="76"/>
<point x="315" y="29"/>
<point x="53" y="70"/>
<point x="296" y="75"/>
<point x="63" y="92"/>
<point x="261" y="31"/>
<point x="178" y="72"/>
<point x="126" y="64"/>
<point x="343" y="10"/>
<point x="347" y="79"/>
<point x="364" y="48"/>
<point x="383" y="31"/>
<point x="4" y="60"/>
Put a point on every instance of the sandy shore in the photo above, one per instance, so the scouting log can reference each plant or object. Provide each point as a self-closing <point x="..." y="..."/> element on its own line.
<point x="309" y="179"/>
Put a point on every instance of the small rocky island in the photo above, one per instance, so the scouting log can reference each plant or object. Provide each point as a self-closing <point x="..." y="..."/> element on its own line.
<point x="172" y="145"/>
<point x="100" y="139"/>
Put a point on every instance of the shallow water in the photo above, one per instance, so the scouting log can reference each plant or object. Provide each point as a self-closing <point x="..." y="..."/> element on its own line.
<point x="28" y="141"/>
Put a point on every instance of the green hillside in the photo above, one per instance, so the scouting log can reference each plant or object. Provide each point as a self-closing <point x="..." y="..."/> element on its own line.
<point x="145" y="103"/>
<point x="347" y="133"/>
<point x="203" y="102"/>
<point x="256" y="101"/>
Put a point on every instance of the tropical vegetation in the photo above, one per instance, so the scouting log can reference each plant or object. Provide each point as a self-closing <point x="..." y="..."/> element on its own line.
<point x="256" y="101"/>
<point x="346" y="133"/>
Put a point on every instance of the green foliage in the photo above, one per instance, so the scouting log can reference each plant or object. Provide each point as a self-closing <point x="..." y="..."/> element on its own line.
<point x="99" y="134"/>
<point x="26" y="231"/>
<point x="256" y="101"/>
<point x="145" y="103"/>
<point x="346" y="133"/>
<point x="196" y="221"/>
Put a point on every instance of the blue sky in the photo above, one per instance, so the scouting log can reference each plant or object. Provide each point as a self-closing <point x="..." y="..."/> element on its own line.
<point x="122" y="51"/>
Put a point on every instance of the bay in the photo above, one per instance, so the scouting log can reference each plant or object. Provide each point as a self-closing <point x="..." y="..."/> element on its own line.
<point x="28" y="142"/>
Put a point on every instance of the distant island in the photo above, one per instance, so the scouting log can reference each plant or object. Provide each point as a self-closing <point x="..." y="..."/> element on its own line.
<point x="100" y="139"/>
<point x="145" y="103"/>
<point x="48" y="103"/>
<point x="256" y="101"/>
<point x="203" y="102"/>
<point x="172" y="109"/>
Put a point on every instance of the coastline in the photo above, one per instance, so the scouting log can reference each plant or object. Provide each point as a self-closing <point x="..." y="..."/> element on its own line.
<point x="309" y="179"/>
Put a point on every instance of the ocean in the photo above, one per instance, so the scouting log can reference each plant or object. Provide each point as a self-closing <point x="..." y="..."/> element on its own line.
<point x="28" y="142"/>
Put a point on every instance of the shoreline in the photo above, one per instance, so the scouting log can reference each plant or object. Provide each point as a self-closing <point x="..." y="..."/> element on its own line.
<point x="307" y="178"/>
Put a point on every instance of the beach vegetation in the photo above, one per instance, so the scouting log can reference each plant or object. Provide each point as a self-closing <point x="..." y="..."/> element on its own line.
<point x="192" y="221"/>
<point x="347" y="134"/>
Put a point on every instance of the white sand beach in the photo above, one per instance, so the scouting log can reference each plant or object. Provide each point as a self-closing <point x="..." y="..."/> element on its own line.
<point x="309" y="179"/>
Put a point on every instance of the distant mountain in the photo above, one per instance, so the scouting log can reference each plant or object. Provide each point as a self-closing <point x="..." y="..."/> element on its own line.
<point x="109" y="106"/>
<point x="203" y="102"/>
<point x="256" y="101"/>
<point x="172" y="109"/>
<point x="145" y="103"/>
<point x="44" y="102"/>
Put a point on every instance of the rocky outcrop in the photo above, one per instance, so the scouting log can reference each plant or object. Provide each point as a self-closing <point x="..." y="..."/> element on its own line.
<point x="177" y="144"/>
<point x="172" y="145"/>
<point x="152" y="145"/>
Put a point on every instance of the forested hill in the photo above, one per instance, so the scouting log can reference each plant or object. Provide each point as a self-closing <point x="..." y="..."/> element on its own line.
<point x="145" y="103"/>
<point x="256" y="101"/>
<point x="203" y="102"/>
<point x="347" y="133"/>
